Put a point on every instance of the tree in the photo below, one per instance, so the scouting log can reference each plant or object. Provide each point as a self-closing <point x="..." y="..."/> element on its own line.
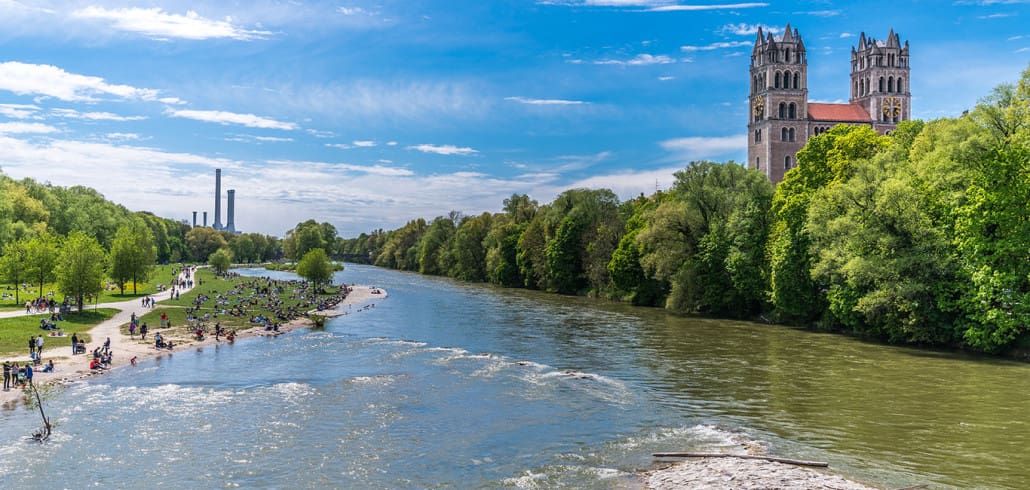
<point x="41" y="257"/>
<point x="132" y="254"/>
<point x="244" y="249"/>
<point x="12" y="265"/>
<point x="202" y="242"/>
<point x="80" y="267"/>
<point x="467" y="251"/>
<point x="220" y="260"/>
<point x="316" y="267"/>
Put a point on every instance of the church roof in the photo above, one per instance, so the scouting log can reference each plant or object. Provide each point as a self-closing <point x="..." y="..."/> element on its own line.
<point x="838" y="112"/>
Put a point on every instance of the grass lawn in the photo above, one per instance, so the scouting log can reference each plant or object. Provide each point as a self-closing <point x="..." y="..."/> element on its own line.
<point x="15" y="332"/>
<point x="162" y="274"/>
<point x="212" y="286"/>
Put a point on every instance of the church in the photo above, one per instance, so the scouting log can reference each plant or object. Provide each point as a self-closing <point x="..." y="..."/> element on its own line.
<point x="781" y="118"/>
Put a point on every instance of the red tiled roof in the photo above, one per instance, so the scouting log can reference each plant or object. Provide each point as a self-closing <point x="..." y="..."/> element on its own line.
<point x="837" y="112"/>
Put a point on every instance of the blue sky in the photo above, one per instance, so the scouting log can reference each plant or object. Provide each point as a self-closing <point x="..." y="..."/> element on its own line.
<point x="368" y="114"/>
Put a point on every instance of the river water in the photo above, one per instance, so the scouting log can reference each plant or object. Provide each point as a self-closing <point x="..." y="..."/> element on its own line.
<point x="446" y="384"/>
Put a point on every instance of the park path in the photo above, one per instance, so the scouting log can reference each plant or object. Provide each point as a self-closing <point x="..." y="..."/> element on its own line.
<point x="124" y="348"/>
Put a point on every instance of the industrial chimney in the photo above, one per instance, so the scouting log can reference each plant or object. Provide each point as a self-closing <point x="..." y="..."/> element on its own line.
<point x="230" y="211"/>
<point x="205" y="218"/>
<point x="194" y="219"/>
<point x="218" y="199"/>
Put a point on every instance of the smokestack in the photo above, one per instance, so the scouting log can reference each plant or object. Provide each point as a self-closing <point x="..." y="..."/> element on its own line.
<point x="194" y="219"/>
<point x="205" y="218"/>
<point x="230" y="210"/>
<point x="218" y="199"/>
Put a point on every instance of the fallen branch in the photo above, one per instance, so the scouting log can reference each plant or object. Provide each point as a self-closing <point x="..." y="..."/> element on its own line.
<point x="797" y="462"/>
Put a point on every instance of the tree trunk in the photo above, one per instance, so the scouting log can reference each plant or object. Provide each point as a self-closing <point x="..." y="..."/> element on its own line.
<point x="134" y="284"/>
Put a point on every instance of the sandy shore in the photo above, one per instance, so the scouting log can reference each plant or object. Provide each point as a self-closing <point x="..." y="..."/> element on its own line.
<point x="733" y="473"/>
<point x="69" y="368"/>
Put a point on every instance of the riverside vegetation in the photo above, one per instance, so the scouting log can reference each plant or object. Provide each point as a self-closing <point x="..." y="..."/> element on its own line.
<point x="919" y="236"/>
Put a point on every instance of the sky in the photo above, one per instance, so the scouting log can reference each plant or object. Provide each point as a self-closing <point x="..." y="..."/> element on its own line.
<point x="367" y="114"/>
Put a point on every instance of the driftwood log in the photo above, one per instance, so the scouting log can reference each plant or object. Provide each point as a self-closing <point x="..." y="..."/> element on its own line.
<point x="798" y="462"/>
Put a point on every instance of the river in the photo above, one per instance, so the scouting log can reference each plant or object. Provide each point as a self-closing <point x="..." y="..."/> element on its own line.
<point x="446" y="384"/>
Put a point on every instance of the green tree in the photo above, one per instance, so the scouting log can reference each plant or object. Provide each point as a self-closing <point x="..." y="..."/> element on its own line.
<point x="12" y="265"/>
<point x="203" y="241"/>
<point x="41" y="258"/>
<point x="243" y="248"/>
<point x="467" y="252"/>
<point x="316" y="267"/>
<point x="220" y="260"/>
<point x="80" y="268"/>
<point x="132" y="254"/>
<point x="435" y="245"/>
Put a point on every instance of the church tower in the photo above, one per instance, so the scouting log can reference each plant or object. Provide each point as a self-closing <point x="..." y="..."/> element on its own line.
<point x="777" y="126"/>
<point x="880" y="80"/>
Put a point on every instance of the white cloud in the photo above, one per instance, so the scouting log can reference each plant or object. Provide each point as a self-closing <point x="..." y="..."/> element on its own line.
<point x="249" y="138"/>
<point x="691" y="8"/>
<point x="391" y="143"/>
<point x="528" y="101"/>
<point x="652" y="5"/>
<point x="158" y="24"/>
<point x="225" y="118"/>
<point x="123" y="136"/>
<point x="51" y="81"/>
<point x="350" y="10"/>
<point x="714" y="46"/>
<point x="94" y="116"/>
<point x="666" y="79"/>
<point x="320" y="134"/>
<point x="340" y="146"/>
<point x="363" y="143"/>
<point x="365" y="169"/>
<point x="820" y="13"/>
<point x="443" y="149"/>
<point x="638" y="60"/>
<point x="273" y="139"/>
<point x="20" y="127"/>
<point x="845" y="35"/>
<point x="695" y="147"/>
<point x="744" y="29"/>
<point x="18" y="111"/>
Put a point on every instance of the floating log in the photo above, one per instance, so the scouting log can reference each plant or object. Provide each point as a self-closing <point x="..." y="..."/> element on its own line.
<point x="798" y="462"/>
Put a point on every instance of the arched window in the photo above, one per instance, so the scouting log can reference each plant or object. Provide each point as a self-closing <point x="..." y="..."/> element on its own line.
<point x="890" y="84"/>
<point x="787" y="59"/>
<point x="779" y="78"/>
<point x="797" y="80"/>
<point x="791" y="134"/>
<point x="758" y="163"/>
<point x="784" y="136"/>
<point x="786" y="79"/>
<point x="900" y="88"/>
<point x="855" y="90"/>
<point x="758" y="136"/>
<point x="881" y="84"/>
<point x="783" y="110"/>
<point x="787" y="162"/>
<point x="793" y="113"/>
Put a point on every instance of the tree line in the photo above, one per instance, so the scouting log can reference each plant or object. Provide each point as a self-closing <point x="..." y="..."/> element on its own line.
<point x="920" y="236"/>
<point x="75" y="237"/>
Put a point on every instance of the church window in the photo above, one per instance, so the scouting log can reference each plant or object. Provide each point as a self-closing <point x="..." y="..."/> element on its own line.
<point x="797" y="80"/>
<point x="784" y="136"/>
<point x="791" y="134"/>
<point x="783" y="110"/>
<point x="890" y="84"/>
<point x="787" y="162"/>
<point x="793" y="113"/>
<point x="779" y="78"/>
<point x="758" y="136"/>
<point x="758" y="163"/>
<point x="787" y="59"/>
<point x="881" y="84"/>
<point x="855" y="90"/>
<point x="899" y="86"/>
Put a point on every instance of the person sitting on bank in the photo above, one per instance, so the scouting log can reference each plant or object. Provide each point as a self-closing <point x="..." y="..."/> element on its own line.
<point x="49" y="367"/>
<point x="159" y="341"/>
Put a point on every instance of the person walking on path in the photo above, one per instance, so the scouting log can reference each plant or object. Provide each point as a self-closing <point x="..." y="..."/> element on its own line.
<point x="39" y="346"/>
<point x="28" y="373"/>
<point x="75" y="342"/>
<point x="143" y="331"/>
<point x="32" y="346"/>
<point x="7" y="376"/>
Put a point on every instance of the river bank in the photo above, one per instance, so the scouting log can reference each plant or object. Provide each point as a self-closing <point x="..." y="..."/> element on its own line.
<point x="71" y="368"/>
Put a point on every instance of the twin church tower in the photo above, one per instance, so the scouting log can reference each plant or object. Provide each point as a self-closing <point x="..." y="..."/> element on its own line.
<point x="782" y="119"/>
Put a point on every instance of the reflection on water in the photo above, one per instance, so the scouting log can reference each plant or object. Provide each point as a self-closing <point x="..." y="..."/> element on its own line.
<point x="447" y="384"/>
